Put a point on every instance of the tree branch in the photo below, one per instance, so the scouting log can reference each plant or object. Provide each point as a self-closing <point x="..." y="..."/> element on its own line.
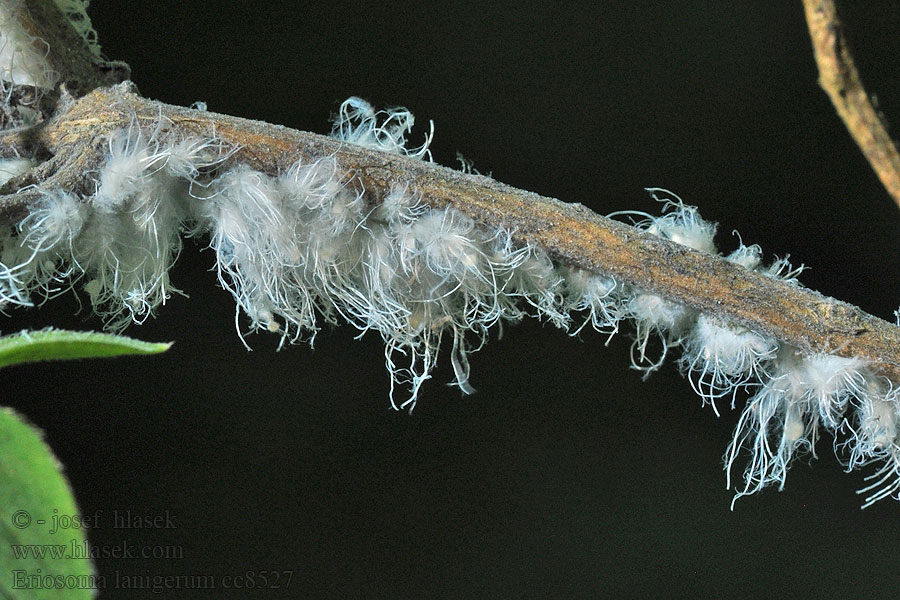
<point x="840" y="80"/>
<point x="570" y="233"/>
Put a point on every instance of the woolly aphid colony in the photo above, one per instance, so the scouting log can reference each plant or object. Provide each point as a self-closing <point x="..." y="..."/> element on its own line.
<point x="309" y="244"/>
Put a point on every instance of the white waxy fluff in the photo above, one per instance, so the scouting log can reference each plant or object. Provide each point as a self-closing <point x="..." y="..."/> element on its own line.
<point x="359" y="123"/>
<point x="308" y="243"/>
<point x="654" y="315"/>
<point x="132" y="237"/>
<point x="41" y="255"/>
<point x="720" y="358"/>
<point x="597" y="296"/>
<point x="749" y="257"/>
<point x="680" y="223"/>
<point x="286" y="246"/>
<point x="121" y="241"/>
<point x="13" y="167"/>
<point x="23" y="58"/>
<point x="784" y="417"/>
<point x="126" y="256"/>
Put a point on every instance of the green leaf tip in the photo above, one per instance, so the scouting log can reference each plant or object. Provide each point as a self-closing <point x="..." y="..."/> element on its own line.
<point x="56" y="344"/>
<point x="34" y="496"/>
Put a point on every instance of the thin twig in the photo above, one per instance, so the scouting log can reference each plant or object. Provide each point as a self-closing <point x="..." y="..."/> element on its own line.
<point x="571" y="234"/>
<point x="840" y="80"/>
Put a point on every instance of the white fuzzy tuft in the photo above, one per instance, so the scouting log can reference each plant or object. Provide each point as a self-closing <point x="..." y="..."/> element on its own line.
<point x="749" y="257"/>
<point x="680" y="223"/>
<point x="829" y="382"/>
<point x="596" y="295"/>
<point x="358" y="123"/>
<point x="656" y="316"/>
<point x="879" y="425"/>
<point x="131" y="162"/>
<point x="13" y="167"/>
<point x="189" y="157"/>
<point x="874" y="437"/>
<point x="719" y="358"/>
<point x="56" y="220"/>
<point x="23" y="58"/>
<point x="783" y="269"/>
<point x="122" y="240"/>
<point x="802" y="393"/>
<point x="45" y="243"/>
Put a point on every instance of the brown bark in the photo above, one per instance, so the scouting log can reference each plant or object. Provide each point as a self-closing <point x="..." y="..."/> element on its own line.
<point x="571" y="234"/>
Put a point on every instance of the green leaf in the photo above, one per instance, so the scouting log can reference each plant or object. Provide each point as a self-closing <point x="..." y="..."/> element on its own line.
<point x="34" y="496"/>
<point x="55" y="344"/>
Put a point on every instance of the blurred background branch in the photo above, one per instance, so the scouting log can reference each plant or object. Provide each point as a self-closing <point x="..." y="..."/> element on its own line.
<point x="840" y="79"/>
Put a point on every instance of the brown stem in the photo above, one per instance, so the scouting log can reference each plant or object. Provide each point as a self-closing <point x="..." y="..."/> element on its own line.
<point x="840" y="80"/>
<point x="66" y="52"/>
<point x="570" y="233"/>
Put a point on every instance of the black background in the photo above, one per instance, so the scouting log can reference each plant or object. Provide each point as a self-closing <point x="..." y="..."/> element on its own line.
<point x="565" y="475"/>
